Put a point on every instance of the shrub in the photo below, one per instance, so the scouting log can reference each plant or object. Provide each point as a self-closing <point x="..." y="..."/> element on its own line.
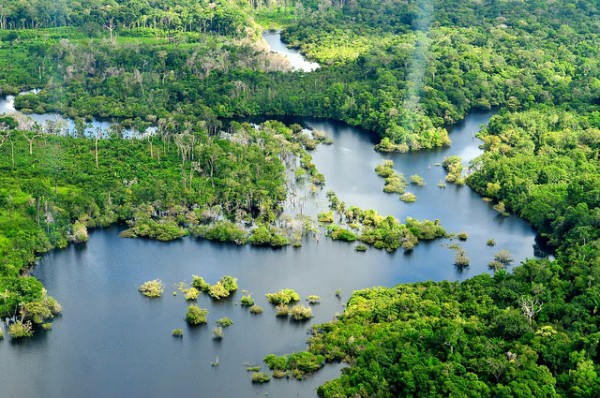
<point x="217" y="333"/>
<point x="385" y="168"/>
<point x="20" y="329"/>
<point x="247" y="301"/>
<point x="296" y="364"/>
<point x="192" y="294"/>
<point x="199" y="283"/>
<point x="177" y="333"/>
<point x="338" y="293"/>
<point x="313" y="299"/>
<point x="300" y="313"/>
<point x="196" y="315"/>
<point x="326" y="217"/>
<point x="260" y="378"/>
<point x="229" y="283"/>
<point x="361" y="248"/>
<point x="461" y="260"/>
<point x="338" y="233"/>
<point x="463" y="236"/>
<point x="47" y="326"/>
<point x="284" y="296"/>
<point x="504" y="257"/>
<point x="153" y="288"/>
<point x="491" y="242"/>
<point x="417" y="180"/>
<point x="253" y="368"/>
<point x="224" y="322"/>
<point x="217" y="291"/>
<point x="256" y="309"/>
<point x="394" y="184"/>
<point x="496" y="265"/>
<point x="408" y="197"/>
<point x="263" y="236"/>
<point x="500" y="208"/>
<point x="223" y="231"/>
<point x="282" y="310"/>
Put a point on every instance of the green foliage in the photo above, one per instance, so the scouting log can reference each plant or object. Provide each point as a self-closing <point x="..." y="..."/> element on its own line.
<point x="394" y="182"/>
<point x="153" y="288"/>
<point x="284" y="296"/>
<point x="461" y="259"/>
<point x="223" y="288"/>
<point x="199" y="283"/>
<point x="408" y="197"/>
<point x="222" y="231"/>
<point x="300" y="312"/>
<point x="53" y="195"/>
<point x="265" y="236"/>
<point x="247" y="301"/>
<point x="20" y="329"/>
<point x="229" y="283"/>
<point x="282" y="310"/>
<point x="417" y="180"/>
<point x="196" y="315"/>
<point x="313" y="299"/>
<point x="453" y="166"/>
<point x="192" y="294"/>
<point x="218" y="291"/>
<point x="338" y="233"/>
<point x="256" y="309"/>
<point x="361" y="248"/>
<point x="295" y="365"/>
<point x="260" y="377"/>
<point x="326" y="217"/>
<point x="177" y="333"/>
<point x="224" y="322"/>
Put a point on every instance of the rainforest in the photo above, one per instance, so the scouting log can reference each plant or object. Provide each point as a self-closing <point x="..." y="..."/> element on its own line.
<point x="415" y="184"/>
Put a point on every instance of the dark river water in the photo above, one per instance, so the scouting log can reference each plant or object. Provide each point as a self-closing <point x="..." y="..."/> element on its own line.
<point x="113" y="342"/>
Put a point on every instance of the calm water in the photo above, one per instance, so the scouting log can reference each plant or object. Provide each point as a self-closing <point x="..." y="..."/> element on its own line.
<point x="297" y="61"/>
<point x="64" y="124"/>
<point x="113" y="342"/>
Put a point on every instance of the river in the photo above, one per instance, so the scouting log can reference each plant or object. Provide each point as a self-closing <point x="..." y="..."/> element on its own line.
<point x="297" y="61"/>
<point x="112" y="341"/>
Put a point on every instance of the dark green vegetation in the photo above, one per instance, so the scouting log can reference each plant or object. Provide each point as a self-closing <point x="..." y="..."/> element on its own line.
<point x="404" y="69"/>
<point x="196" y="315"/>
<point x="394" y="181"/>
<point x="382" y="232"/>
<point x="260" y="377"/>
<point x="530" y="333"/>
<point x="295" y="365"/>
<point x="55" y="187"/>
<point x="177" y="333"/>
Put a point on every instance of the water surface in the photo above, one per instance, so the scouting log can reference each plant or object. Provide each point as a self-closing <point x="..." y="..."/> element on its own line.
<point x="297" y="60"/>
<point x="112" y="341"/>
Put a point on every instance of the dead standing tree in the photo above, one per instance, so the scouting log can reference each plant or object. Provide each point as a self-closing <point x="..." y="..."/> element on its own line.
<point x="530" y="307"/>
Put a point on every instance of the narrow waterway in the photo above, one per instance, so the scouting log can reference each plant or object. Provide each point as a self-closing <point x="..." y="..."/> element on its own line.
<point x="297" y="61"/>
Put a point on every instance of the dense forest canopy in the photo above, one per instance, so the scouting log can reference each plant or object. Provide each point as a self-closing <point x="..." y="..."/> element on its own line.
<point x="404" y="69"/>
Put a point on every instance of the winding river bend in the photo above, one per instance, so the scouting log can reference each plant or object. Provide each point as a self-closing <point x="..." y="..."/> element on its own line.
<point x="111" y="341"/>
